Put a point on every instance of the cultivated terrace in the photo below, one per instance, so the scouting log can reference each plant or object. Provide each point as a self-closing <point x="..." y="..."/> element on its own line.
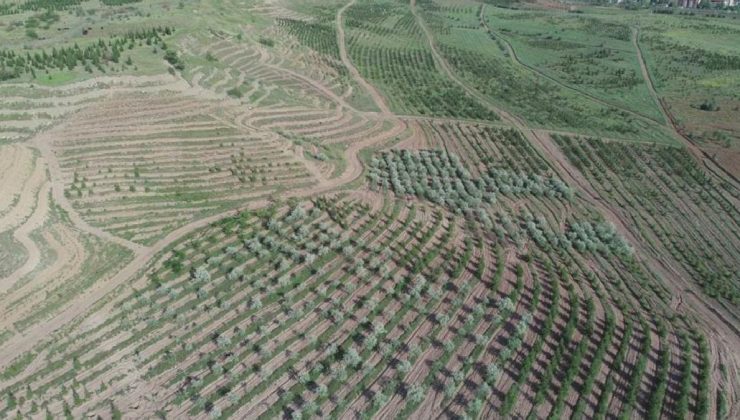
<point x="369" y="209"/>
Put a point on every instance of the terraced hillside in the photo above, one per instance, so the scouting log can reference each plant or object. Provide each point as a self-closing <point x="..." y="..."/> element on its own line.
<point x="146" y="168"/>
<point x="367" y="209"/>
<point x="47" y="261"/>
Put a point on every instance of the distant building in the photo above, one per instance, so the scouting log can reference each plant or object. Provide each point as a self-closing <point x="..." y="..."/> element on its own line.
<point x="693" y="4"/>
<point x="725" y="3"/>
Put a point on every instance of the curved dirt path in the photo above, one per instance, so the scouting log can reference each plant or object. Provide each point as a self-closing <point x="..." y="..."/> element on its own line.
<point x="142" y="255"/>
<point x="506" y="116"/>
<point x="370" y="89"/>
<point x="43" y="143"/>
<point x="667" y="271"/>
<point x="264" y="61"/>
<point x="538" y="72"/>
<point x="25" y="189"/>
<point x="709" y="163"/>
<point x="315" y="85"/>
<point x="354" y="167"/>
<point x="81" y="303"/>
<point x="23" y="236"/>
<point x="551" y="152"/>
<point x="24" y="300"/>
<point x="23" y="186"/>
<point x="649" y="80"/>
<point x="447" y="70"/>
<point x="310" y="165"/>
<point x="718" y="324"/>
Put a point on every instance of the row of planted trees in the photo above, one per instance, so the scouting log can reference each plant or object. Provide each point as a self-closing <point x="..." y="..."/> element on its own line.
<point x="664" y="185"/>
<point x="406" y="70"/>
<point x="242" y="301"/>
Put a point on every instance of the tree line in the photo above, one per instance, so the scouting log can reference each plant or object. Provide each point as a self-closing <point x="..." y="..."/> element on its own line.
<point x="97" y="54"/>
<point x="34" y="5"/>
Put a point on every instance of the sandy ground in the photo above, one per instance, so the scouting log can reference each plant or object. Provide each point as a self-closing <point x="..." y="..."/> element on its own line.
<point x="25" y="183"/>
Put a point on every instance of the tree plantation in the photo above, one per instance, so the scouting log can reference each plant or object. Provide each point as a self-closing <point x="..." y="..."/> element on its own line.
<point x="369" y="209"/>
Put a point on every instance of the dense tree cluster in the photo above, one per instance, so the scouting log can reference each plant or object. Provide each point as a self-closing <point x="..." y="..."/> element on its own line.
<point x="441" y="178"/>
<point x="320" y="37"/>
<point x="603" y="27"/>
<point x="9" y="8"/>
<point x="174" y="59"/>
<point x="95" y="55"/>
<point x="589" y="68"/>
<point x="585" y="236"/>
<point x="539" y="230"/>
<point x="598" y="237"/>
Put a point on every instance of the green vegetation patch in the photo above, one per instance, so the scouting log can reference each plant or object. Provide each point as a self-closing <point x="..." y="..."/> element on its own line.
<point x="560" y="77"/>
<point x="12" y="253"/>
<point x="388" y="47"/>
<point x="95" y="55"/>
<point x="321" y="37"/>
<point x="674" y="202"/>
<point x="441" y="178"/>
<point x="17" y="366"/>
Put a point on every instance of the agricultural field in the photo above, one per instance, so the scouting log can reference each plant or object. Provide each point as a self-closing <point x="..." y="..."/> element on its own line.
<point x="390" y="50"/>
<point x="696" y="76"/>
<point x="368" y="209"/>
<point x="561" y="96"/>
<point x="651" y="182"/>
<point x="116" y="177"/>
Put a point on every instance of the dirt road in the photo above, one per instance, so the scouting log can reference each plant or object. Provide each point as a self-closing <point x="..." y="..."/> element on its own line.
<point x="705" y="158"/>
<point x="370" y="89"/>
<point x="23" y="236"/>
<point x="718" y="324"/>
<point x="538" y="72"/>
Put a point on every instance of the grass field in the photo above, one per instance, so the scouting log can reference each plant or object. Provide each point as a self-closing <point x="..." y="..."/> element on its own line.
<point x="544" y="75"/>
<point x="581" y="51"/>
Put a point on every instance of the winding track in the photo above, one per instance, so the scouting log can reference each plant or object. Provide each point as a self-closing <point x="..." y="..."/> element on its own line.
<point x="538" y="72"/>
<point x="704" y="157"/>
<point x="143" y="255"/>
<point x="43" y="144"/>
<point x="23" y="235"/>
<point x="370" y="89"/>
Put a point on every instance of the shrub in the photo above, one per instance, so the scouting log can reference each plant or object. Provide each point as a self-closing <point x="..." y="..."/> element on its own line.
<point x="234" y="93"/>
